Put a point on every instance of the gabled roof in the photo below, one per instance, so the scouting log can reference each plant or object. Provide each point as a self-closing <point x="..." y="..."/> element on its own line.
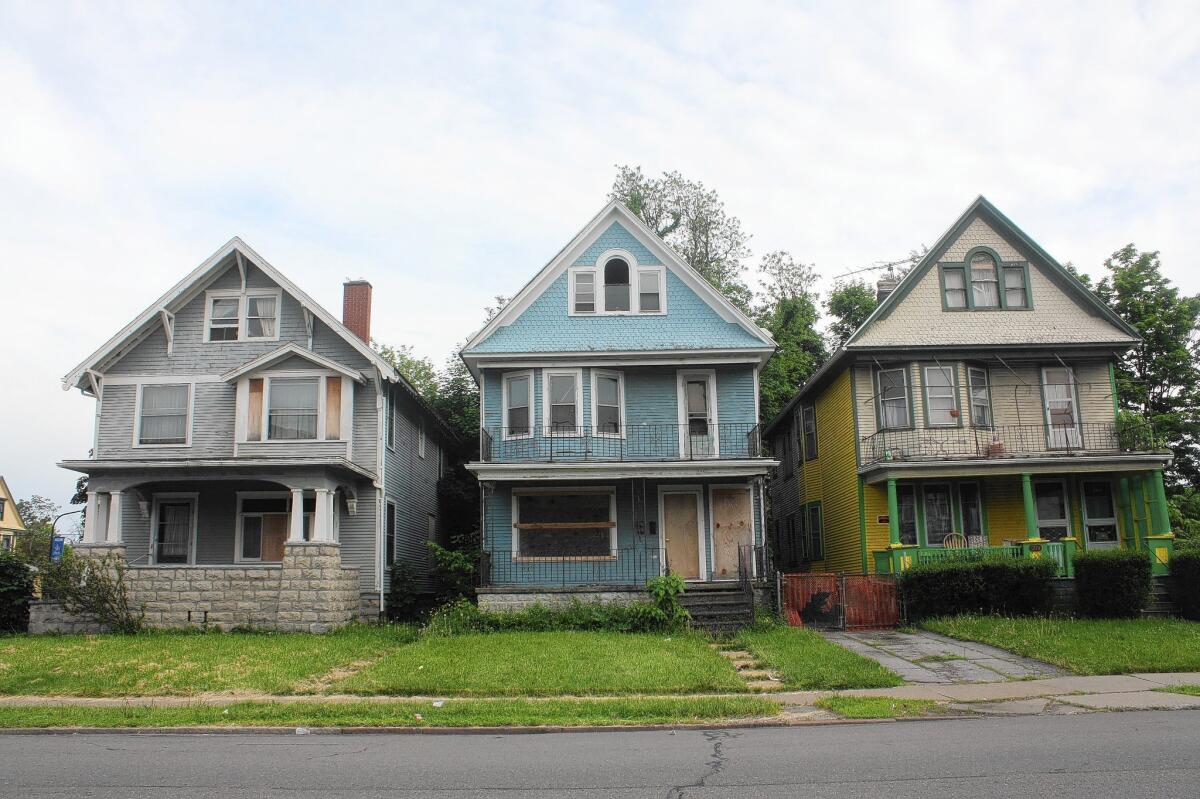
<point x="981" y="207"/>
<point x="7" y="494"/>
<point x="617" y="211"/>
<point x="287" y="351"/>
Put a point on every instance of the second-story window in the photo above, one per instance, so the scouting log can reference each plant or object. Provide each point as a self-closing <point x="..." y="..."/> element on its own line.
<point x="616" y="284"/>
<point x="164" y="414"/>
<point x="892" y="390"/>
<point x="223" y="323"/>
<point x="955" y="281"/>
<point x="985" y="285"/>
<point x="650" y="290"/>
<point x="292" y="409"/>
<point x="585" y="292"/>
<point x="941" y="396"/>
<point x="232" y="316"/>
<point x="1016" y="293"/>
<point x="562" y="397"/>
<point x="808" y="415"/>
<point x="262" y="316"/>
<point x="607" y="389"/>
<point x="981" y="399"/>
<point x="517" y="416"/>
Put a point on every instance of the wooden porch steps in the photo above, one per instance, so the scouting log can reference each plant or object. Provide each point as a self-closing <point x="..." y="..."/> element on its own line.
<point x="719" y="609"/>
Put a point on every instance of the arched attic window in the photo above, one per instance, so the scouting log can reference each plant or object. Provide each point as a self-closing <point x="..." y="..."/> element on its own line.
<point x="985" y="286"/>
<point x="616" y="284"/>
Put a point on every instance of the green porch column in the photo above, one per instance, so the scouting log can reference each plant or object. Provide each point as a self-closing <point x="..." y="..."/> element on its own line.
<point x="893" y="514"/>
<point x="1125" y="507"/>
<point x="1140" y="522"/>
<point x="1161" y="541"/>
<point x="1031" y="525"/>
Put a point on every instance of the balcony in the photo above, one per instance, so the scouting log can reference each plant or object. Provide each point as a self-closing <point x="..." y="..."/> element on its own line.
<point x="634" y="443"/>
<point x="1007" y="441"/>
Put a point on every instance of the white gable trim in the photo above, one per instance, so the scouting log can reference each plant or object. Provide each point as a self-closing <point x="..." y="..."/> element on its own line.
<point x="191" y="285"/>
<point x="616" y="212"/>
<point x="287" y="351"/>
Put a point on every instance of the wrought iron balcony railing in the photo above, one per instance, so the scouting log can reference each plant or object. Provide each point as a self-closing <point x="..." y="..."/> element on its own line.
<point x="1007" y="441"/>
<point x="635" y="442"/>
<point x="629" y="566"/>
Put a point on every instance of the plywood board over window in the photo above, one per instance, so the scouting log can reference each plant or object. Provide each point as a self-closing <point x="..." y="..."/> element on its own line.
<point x="732" y="528"/>
<point x="255" y="412"/>
<point x="333" y="409"/>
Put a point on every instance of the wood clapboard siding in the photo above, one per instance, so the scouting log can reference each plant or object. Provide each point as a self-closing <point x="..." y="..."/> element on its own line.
<point x="411" y="483"/>
<point x="212" y="425"/>
<point x="832" y="478"/>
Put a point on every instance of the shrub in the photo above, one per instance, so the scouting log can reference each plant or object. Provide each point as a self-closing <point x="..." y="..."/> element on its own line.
<point x="664" y="591"/>
<point x="16" y="587"/>
<point x="462" y="617"/>
<point x="1112" y="583"/>
<point x="1007" y="586"/>
<point x="1185" y="575"/>
<point x="94" y="587"/>
<point x="403" y="600"/>
<point x="453" y="572"/>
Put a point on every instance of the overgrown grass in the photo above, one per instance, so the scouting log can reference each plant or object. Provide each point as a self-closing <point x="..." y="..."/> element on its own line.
<point x="1086" y="646"/>
<point x="470" y="713"/>
<point x="879" y="707"/>
<point x="548" y="664"/>
<point x="184" y="663"/>
<point x="805" y="660"/>
<point x="1190" y="690"/>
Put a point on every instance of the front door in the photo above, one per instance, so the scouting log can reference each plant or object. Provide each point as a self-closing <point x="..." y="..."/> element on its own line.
<point x="1099" y="515"/>
<point x="681" y="533"/>
<point x="173" y="528"/>
<point x="733" y="527"/>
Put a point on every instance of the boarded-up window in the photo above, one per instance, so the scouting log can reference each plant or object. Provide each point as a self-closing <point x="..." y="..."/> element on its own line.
<point x="254" y="412"/>
<point x="567" y="525"/>
<point x="333" y="408"/>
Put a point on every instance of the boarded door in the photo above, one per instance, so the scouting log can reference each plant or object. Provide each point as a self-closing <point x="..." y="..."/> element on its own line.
<point x="681" y="528"/>
<point x="274" y="533"/>
<point x="732" y="528"/>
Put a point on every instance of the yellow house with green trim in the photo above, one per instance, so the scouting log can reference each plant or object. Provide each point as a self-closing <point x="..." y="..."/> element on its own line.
<point x="974" y="412"/>
<point x="11" y="524"/>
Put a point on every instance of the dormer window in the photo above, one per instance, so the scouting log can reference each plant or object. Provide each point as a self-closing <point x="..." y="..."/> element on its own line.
<point x="616" y="285"/>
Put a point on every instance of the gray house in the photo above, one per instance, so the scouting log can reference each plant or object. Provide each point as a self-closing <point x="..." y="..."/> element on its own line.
<point x="255" y="462"/>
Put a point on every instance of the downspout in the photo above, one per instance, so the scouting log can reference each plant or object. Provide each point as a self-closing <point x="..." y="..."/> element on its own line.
<point x="381" y="494"/>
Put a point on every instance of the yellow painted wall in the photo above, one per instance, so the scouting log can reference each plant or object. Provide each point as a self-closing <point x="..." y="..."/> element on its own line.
<point x="875" y="503"/>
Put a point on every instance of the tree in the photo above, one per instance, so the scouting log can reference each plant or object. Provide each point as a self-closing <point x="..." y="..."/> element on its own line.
<point x="849" y="304"/>
<point x="38" y="513"/>
<point x="692" y="219"/>
<point x="419" y="371"/>
<point x="1160" y="377"/>
<point x="787" y="311"/>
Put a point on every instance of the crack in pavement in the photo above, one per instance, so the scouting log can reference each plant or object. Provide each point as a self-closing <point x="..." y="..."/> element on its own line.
<point x="715" y="765"/>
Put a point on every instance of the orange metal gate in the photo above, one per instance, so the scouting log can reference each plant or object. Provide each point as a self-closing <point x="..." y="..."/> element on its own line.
<point x="840" y="601"/>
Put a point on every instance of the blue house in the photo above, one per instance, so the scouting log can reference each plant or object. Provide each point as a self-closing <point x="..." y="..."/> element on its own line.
<point x="619" y="428"/>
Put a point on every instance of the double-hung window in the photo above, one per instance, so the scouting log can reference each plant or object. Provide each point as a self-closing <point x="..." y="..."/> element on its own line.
<point x="264" y="522"/>
<point x="941" y="396"/>
<point x="584" y="300"/>
<point x="906" y="496"/>
<point x="608" y="393"/>
<point x="892" y="390"/>
<point x="224" y="318"/>
<point x="616" y="284"/>
<point x="292" y="407"/>
<point x="421" y="438"/>
<point x="981" y="396"/>
<point x="233" y="316"/>
<point x="1053" y="512"/>
<point x="568" y="524"/>
<point x="518" y="394"/>
<point x="814" y="534"/>
<point x="1016" y="293"/>
<point x="939" y="517"/>
<point x="164" y="415"/>
<point x="985" y="284"/>
<point x="563" y="399"/>
<point x="954" y="279"/>
<point x="262" y="317"/>
<point x="808" y="415"/>
<point x="650" y="290"/>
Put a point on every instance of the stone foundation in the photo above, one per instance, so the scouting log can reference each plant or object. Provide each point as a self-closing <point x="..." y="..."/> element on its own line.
<point x="519" y="598"/>
<point x="309" y="592"/>
<point x="368" y="607"/>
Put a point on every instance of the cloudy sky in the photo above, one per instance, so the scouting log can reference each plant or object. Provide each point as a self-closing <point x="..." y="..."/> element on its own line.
<point x="445" y="151"/>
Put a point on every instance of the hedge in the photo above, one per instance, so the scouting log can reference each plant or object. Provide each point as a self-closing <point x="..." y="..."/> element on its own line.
<point x="462" y="617"/>
<point x="16" y="587"/>
<point x="1005" y="586"/>
<point x="1112" y="584"/>
<point x="1185" y="574"/>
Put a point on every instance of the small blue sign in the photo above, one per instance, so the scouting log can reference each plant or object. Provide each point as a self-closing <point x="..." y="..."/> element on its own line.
<point x="56" y="547"/>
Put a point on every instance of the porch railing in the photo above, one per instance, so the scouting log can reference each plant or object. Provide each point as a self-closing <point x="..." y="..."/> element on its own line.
<point x="1007" y="441"/>
<point x="941" y="555"/>
<point x="626" y="567"/>
<point x="1055" y="551"/>
<point x="634" y="442"/>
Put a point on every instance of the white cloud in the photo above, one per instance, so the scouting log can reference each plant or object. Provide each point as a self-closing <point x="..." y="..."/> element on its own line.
<point x="446" y="153"/>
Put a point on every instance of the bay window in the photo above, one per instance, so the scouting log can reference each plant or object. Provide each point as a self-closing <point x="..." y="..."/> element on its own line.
<point x="567" y="524"/>
<point x="163" y="415"/>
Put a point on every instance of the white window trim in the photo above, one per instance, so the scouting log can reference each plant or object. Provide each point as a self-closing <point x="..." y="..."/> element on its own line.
<point x="577" y="375"/>
<point x="516" y="519"/>
<point x="1075" y="428"/>
<point x="955" y="421"/>
<point x="421" y="437"/>
<point x="620" y="378"/>
<point x="286" y="495"/>
<point x="681" y="378"/>
<point x="243" y="307"/>
<point x="987" y="385"/>
<point x="172" y="497"/>
<point x="701" y="529"/>
<point x="137" y="415"/>
<point x="635" y="270"/>
<point x="504" y="378"/>
<point x="908" y="409"/>
<point x="322" y="394"/>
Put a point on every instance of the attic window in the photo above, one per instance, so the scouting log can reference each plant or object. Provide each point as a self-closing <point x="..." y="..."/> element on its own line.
<point x="233" y="316"/>
<point x="616" y="285"/>
<point x="223" y="319"/>
<point x="985" y="286"/>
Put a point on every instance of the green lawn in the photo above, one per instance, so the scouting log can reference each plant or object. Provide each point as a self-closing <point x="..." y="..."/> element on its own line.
<point x="879" y="707"/>
<point x="807" y="661"/>
<point x="183" y="663"/>
<point x="1086" y="646"/>
<point x="469" y="713"/>
<point x="548" y="664"/>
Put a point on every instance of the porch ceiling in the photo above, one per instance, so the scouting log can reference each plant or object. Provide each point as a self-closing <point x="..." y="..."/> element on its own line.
<point x="892" y="470"/>
<point x="616" y="470"/>
<point x="217" y="468"/>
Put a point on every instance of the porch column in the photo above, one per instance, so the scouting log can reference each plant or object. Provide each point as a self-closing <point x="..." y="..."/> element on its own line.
<point x="1159" y="515"/>
<point x="1031" y="525"/>
<point x="893" y="501"/>
<point x="322" y="520"/>
<point x="1125" y="504"/>
<point x="91" y="519"/>
<point x="113" y="531"/>
<point x="1141" y="524"/>
<point x="296" y="529"/>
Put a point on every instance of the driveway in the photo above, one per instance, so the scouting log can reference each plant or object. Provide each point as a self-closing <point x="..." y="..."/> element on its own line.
<point x="925" y="657"/>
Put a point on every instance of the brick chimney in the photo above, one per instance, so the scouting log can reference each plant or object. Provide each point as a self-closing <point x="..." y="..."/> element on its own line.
<point x="886" y="285"/>
<point x="356" y="308"/>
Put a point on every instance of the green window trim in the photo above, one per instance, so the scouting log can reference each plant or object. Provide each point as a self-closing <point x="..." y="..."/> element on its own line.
<point x="953" y="368"/>
<point x="1002" y="271"/>
<point x="908" y="397"/>
<point x="917" y="490"/>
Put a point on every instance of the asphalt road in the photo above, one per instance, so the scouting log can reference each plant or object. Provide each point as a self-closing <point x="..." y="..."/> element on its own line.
<point x="1098" y="755"/>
